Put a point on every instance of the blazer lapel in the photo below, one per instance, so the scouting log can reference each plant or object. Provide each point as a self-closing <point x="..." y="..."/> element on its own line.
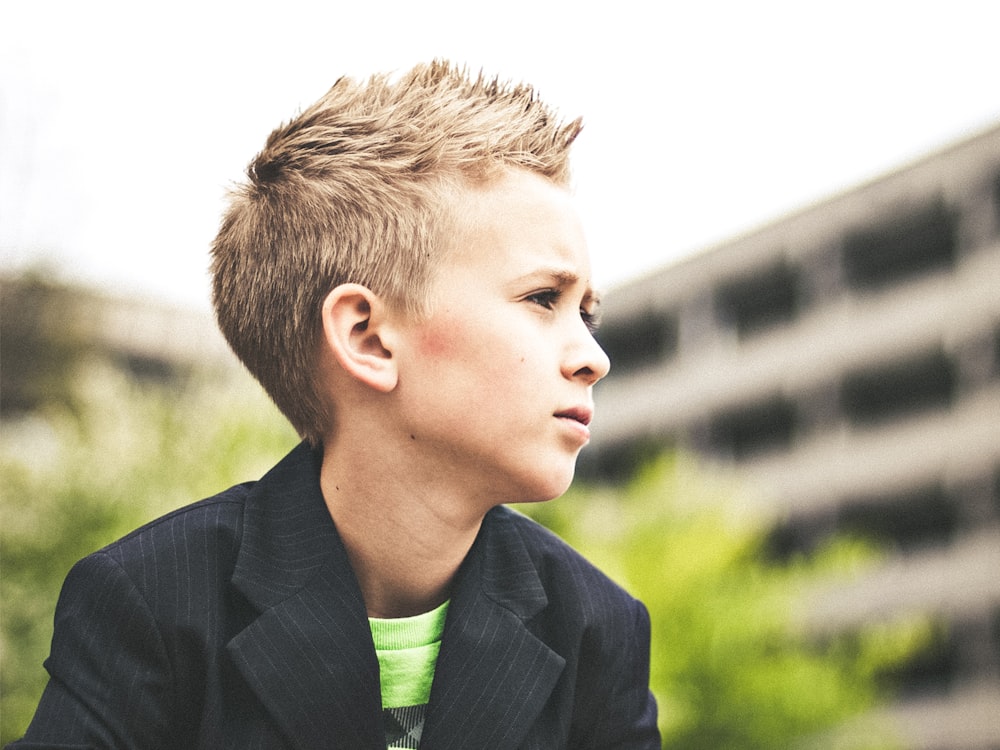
<point x="309" y="655"/>
<point x="493" y="676"/>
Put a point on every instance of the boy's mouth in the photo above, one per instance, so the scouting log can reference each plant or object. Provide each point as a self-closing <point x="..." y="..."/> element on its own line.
<point x="581" y="414"/>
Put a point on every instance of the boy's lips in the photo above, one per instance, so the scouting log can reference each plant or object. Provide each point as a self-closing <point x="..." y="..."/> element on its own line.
<point x="581" y="414"/>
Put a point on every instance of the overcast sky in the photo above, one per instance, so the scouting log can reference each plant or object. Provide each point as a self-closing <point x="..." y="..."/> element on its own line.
<point x="122" y="123"/>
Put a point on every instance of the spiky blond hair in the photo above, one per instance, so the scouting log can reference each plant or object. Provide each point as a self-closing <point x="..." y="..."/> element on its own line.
<point x="356" y="189"/>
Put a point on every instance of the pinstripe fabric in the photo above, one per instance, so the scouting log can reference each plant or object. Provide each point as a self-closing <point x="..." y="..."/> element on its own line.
<point x="238" y="623"/>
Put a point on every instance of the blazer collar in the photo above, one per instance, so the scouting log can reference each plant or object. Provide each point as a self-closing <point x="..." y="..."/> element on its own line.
<point x="493" y="676"/>
<point x="309" y="655"/>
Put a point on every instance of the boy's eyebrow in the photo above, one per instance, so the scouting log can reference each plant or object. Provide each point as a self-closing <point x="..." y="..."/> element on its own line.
<point x="560" y="277"/>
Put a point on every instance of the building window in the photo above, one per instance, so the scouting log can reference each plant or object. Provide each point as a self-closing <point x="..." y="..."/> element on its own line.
<point x="902" y="247"/>
<point x="996" y="350"/>
<point x="922" y="517"/>
<point x="752" y="429"/>
<point x="996" y="197"/>
<point x="995" y="632"/>
<point x="801" y="534"/>
<point x="752" y="303"/>
<point x="147" y="368"/>
<point x="996" y="490"/>
<point x="639" y="342"/>
<point x="890" y="391"/>
<point x="620" y="462"/>
<point x="934" y="668"/>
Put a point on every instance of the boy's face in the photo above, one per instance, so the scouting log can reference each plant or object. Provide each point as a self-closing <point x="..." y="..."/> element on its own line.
<point x="496" y="382"/>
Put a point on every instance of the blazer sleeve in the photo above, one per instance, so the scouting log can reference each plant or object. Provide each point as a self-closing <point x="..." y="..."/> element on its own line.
<point x="110" y="680"/>
<point x="627" y="718"/>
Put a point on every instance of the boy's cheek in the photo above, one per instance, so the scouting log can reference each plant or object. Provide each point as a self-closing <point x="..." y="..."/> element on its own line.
<point x="453" y="341"/>
<point x="436" y="342"/>
<point x="448" y="337"/>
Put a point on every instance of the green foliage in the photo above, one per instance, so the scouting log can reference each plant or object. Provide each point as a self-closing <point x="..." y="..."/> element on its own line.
<point x="76" y="479"/>
<point x="733" y="667"/>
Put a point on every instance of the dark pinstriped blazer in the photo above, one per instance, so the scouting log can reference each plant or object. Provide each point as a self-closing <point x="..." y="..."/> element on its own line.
<point x="237" y="622"/>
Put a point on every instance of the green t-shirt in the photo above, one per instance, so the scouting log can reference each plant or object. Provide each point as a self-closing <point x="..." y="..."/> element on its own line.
<point x="407" y="650"/>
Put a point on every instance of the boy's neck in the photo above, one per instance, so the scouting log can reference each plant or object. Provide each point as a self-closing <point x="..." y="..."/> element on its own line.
<point x="403" y="537"/>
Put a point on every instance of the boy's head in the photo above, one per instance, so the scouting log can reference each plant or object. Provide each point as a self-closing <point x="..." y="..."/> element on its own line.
<point x="357" y="189"/>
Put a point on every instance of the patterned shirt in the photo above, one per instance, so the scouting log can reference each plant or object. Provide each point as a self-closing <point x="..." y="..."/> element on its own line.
<point x="407" y="650"/>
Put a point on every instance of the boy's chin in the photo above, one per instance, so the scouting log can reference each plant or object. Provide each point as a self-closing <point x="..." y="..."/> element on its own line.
<point x="554" y="487"/>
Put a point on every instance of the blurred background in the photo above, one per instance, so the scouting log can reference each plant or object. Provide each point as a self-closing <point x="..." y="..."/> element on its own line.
<point x="842" y="364"/>
<point x="796" y="214"/>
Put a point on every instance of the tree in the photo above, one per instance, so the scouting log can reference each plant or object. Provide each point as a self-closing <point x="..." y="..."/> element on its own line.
<point x="733" y="665"/>
<point x="77" y="477"/>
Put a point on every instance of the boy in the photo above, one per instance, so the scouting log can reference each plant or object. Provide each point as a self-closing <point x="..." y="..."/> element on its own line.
<point x="406" y="276"/>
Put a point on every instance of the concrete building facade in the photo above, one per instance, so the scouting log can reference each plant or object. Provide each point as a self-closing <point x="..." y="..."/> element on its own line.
<point x="844" y="362"/>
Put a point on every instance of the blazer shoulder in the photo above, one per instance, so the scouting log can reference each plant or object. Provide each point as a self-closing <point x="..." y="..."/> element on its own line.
<point x="564" y="571"/>
<point x="211" y="526"/>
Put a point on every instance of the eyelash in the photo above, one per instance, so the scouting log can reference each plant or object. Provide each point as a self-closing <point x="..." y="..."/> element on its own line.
<point x="548" y="298"/>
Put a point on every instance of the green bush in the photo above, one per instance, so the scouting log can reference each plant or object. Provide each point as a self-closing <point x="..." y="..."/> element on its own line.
<point x="75" y="479"/>
<point x="733" y="666"/>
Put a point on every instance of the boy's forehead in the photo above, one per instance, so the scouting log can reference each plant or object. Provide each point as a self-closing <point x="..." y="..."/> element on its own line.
<point x="517" y="265"/>
<point x="520" y="225"/>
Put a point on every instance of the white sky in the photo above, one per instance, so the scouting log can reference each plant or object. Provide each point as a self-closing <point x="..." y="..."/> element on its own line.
<point x="122" y="123"/>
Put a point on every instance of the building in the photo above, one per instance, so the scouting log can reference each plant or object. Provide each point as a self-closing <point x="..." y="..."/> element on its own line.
<point x="845" y="362"/>
<point x="47" y="329"/>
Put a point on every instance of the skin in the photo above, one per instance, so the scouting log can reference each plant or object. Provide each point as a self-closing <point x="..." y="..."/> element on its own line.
<point x="483" y="401"/>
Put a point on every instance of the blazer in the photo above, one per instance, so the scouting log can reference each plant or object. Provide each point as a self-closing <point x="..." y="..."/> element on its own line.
<point x="237" y="622"/>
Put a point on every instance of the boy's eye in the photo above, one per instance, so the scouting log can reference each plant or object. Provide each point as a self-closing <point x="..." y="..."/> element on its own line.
<point x="549" y="298"/>
<point x="546" y="298"/>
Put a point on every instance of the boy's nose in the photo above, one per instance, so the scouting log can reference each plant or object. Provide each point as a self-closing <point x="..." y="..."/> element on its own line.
<point x="587" y="361"/>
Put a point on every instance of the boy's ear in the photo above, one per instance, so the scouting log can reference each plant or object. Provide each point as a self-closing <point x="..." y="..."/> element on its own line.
<point x="355" y="328"/>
